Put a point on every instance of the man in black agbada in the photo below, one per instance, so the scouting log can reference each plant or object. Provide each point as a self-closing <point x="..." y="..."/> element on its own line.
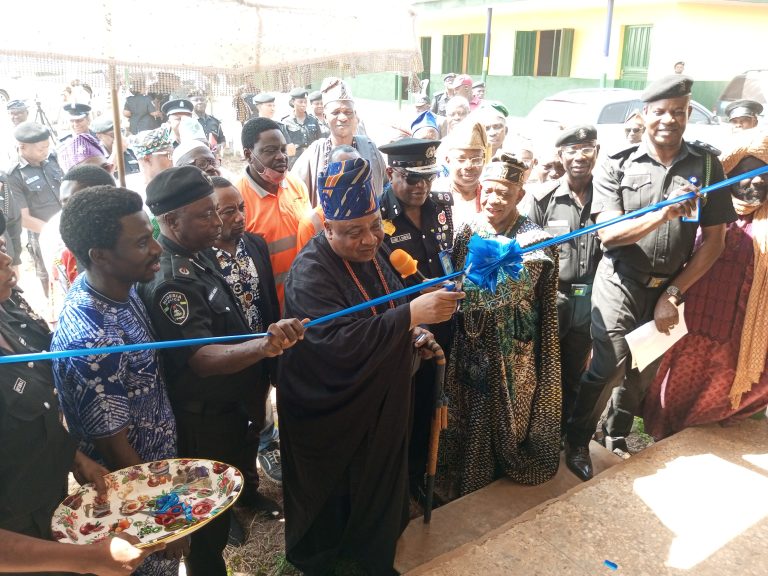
<point x="343" y="393"/>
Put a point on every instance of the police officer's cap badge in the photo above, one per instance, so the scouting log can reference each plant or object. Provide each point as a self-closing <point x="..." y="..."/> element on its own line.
<point x="175" y="306"/>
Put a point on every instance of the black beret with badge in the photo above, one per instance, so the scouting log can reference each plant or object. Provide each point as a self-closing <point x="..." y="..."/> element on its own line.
<point x="298" y="93"/>
<point x="177" y="187"/>
<point x="581" y="134"/>
<point x="415" y="155"/>
<point x="263" y="98"/>
<point x="102" y="125"/>
<point x="31" y="133"/>
<point x="178" y="106"/>
<point x="672" y="86"/>
<point x="77" y="111"/>
<point x="741" y="108"/>
<point x="315" y="96"/>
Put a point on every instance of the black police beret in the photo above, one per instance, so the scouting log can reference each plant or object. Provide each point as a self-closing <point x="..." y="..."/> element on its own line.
<point x="31" y="132"/>
<point x="16" y="105"/>
<point x="580" y="134"/>
<point x="672" y="86"/>
<point x="179" y="106"/>
<point x="102" y="125"/>
<point x="298" y="93"/>
<point x="315" y="96"/>
<point x="263" y="98"/>
<point x="77" y="111"/>
<point x="177" y="187"/>
<point x="740" y="108"/>
<point x="414" y="154"/>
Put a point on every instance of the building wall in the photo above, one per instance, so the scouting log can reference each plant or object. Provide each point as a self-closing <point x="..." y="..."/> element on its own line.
<point x="716" y="40"/>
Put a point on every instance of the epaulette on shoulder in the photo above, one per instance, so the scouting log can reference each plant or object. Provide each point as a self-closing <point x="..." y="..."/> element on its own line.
<point x="545" y="189"/>
<point x="705" y="147"/>
<point x="445" y="198"/>
<point x="183" y="267"/>
<point x="624" y="152"/>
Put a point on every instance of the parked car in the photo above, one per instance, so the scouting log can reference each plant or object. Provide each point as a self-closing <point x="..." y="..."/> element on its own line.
<point x="750" y="85"/>
<point x="607" y="109"/>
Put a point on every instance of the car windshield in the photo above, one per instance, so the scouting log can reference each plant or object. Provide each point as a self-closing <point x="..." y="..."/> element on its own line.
<point x="561" y="111"/>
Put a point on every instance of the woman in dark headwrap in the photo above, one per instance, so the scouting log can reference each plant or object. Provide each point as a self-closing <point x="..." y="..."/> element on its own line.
<point x="503" y="380"/>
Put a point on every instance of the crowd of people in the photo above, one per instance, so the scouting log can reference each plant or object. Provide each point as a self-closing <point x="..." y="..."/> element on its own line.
<point x="537" y="360"/>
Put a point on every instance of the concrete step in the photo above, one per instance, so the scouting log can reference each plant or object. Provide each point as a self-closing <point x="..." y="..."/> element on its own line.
<point x="480" y="513"/>
<point x="693" y="504"/>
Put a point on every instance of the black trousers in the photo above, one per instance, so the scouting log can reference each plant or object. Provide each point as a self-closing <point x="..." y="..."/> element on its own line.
<point x="619" y="305"/>
<point x="220" y="436"/>
<point x="574" y="317"/>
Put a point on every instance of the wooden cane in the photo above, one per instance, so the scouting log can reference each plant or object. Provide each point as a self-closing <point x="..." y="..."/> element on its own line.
<point x="439" y="423"/>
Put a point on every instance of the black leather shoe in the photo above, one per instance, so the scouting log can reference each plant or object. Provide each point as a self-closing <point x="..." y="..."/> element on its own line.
<point x="578" y="461"/>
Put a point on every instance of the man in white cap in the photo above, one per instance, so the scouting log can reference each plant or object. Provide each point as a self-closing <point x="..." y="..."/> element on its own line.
<point x="339" y="109"/>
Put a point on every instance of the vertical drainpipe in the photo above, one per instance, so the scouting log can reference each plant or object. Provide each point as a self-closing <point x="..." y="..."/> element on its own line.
<point x="607" y="45"/>
<point x="487" y="45"/>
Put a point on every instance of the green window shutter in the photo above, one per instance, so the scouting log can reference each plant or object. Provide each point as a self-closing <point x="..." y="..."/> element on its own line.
<point x="426" y="56"/>
<point x="453" y="53"/>
<point x="566" y="52"/>
<point x="525" y="53"/>
<point x="475" y="54"/>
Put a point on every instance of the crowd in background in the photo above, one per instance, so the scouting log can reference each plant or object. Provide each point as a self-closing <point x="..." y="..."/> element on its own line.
<point x="537" y="360"/>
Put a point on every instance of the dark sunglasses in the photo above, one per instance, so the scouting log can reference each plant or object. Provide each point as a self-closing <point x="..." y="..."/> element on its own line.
<point x="412" y="179"/>
<point x="632" y="130"/>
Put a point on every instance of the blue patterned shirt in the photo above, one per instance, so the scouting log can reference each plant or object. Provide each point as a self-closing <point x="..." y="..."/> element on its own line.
<point x="105" y="394"/>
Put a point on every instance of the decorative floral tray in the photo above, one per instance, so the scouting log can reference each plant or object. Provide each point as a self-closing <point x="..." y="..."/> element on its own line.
<point x="155" y="501"/>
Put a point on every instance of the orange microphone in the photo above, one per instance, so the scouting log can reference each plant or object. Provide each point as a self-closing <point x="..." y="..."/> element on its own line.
<point x="405" y="264"/>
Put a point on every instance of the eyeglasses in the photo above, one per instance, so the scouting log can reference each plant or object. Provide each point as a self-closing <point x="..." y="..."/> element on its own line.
<point x="632" y="130"/>
<point x="475" y="162"/>
<point x="412" y="179"/>
<point x="587" y="151"/>
<point x="204" y="163"/>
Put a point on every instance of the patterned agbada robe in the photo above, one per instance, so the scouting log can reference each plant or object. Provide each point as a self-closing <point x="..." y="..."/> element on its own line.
<point x="503" y="376"/>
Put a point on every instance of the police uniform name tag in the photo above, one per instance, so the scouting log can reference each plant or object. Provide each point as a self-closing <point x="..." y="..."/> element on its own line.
<point x="32" y="180"/>
<point x="175" y="306"/>
<point x="401" y="238"/>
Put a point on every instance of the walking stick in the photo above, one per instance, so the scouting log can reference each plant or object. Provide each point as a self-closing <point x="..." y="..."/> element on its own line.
<point x="439" y="423"/>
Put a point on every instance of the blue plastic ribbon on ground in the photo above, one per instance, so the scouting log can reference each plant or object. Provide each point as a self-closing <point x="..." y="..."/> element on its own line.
<point x="508" y="257"/>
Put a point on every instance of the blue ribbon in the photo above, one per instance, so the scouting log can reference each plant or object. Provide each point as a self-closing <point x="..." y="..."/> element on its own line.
<point x="34" y="357"/>
<point x="489" y="256"/>
<point x="509" y="257"/>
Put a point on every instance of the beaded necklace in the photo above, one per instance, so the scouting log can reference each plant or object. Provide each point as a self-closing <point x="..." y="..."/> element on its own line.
<point x="360" y="286"/>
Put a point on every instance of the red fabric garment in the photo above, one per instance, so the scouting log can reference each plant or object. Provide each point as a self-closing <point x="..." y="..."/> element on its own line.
<point x="70" y="264"/>
<point x="695" y="377"/>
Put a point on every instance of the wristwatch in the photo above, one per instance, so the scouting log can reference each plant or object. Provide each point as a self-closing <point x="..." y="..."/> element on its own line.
<point x="675" y="292"/>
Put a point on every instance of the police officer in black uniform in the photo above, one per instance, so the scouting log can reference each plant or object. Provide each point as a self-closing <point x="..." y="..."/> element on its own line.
<point x="301" y="128"/>
<point x="419" y="222"/>
<point x="104" y="128"/>
<point x="562" y="206"/>
<point x="440" y="99"/>
<point x="212" y="386"/>
<point x="316" y="102"/>
<point x="211" y="125"/>
<point x="648" y="262"/>
<point x="36" y="452"/>
<point x="12" y="213"/>
<point x="34" y="182"/>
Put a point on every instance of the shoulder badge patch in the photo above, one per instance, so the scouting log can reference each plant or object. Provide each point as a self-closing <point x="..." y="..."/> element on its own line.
<point x="175" y="306"/>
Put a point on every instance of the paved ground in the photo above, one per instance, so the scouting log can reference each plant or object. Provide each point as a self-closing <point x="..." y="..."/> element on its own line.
<point x="692" y="504"/>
